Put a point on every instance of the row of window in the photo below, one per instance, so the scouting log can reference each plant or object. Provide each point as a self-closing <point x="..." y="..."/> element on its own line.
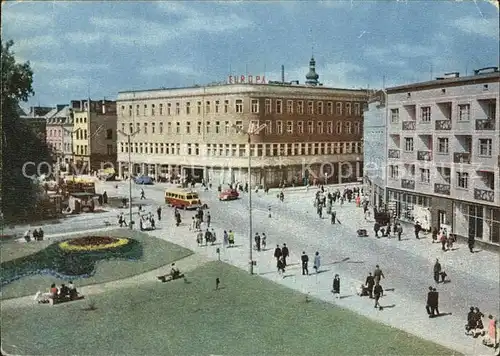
<point x="220" y="127"/>
<point x="464" y="112"/>
<point x="58" y="146"/>
<point x="57" y="133"/>
<point x="240" y="150"/>
<point x="277" y="106"/>
<point x="485" y="145"/>
<point x="462" y="178"/>
<point x="83" y="150"/>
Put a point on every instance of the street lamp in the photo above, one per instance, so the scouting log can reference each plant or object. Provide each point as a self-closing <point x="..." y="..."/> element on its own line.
<point x="129" y="136"/>
<point x="249" y="134"/>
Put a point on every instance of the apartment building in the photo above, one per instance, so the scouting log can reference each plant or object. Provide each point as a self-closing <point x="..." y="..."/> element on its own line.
<point x="306" y="131"/>
<point x="59" y="129"/>
<point x="94" y="134"/>
<point x="443" y="154"/>
<point x="374" y="150"/>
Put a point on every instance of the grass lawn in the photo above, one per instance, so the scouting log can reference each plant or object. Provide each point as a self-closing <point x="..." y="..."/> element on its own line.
<point x="155" y="253"/>
<point x="249" y="316"/>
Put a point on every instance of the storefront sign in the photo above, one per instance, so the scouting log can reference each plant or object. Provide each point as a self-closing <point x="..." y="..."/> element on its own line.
<point x="249" y="79"/>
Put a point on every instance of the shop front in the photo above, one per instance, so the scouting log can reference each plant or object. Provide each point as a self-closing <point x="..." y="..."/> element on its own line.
<point x="481" y="222"/>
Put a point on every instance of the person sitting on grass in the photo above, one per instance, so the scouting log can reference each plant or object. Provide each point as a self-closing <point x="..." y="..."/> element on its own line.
<point x="63" y="291"/>
<point x="73" y="293"/>
<point x="175" y="273"/>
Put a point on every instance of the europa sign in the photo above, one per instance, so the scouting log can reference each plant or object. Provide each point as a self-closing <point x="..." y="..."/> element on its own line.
<point x="249" y="79"/>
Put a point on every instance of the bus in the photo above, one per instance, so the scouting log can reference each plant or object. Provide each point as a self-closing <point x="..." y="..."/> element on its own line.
<point x="182" y="198"/>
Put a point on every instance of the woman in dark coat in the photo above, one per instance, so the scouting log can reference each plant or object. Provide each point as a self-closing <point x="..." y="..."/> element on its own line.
<point x="281" y="266"/>
<point x="336" y="286"/>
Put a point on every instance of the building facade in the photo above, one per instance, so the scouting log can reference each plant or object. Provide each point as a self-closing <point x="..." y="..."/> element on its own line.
<point x="443" y="154"/>
<point x="94" y="134"/>
<point x="374" y="148"/>
<point x="59" y="134"/>
<point x="307" y="133"/>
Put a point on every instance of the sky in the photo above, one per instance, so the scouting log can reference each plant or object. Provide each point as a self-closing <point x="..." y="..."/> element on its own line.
<point x="97" y="49"/>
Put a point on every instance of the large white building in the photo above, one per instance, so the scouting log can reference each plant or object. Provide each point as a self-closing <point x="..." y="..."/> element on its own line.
<point x="443" y="155"/>
<point x="306" y="131"/>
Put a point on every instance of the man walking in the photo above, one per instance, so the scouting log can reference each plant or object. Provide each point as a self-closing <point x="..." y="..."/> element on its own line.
<point x="285" y="253"/>
<point x="143" y="196"/>
<point x="158" y="211"/>
<point x="378" y="292"/>
<point x="471" y="241"/>
<point x="418" y="227"/>
<point x="277" y="253"/>
<point x="305" y="261"/>
<point x="370" y="282"/>
<point x="209" y="218"/>
<point x="378" y="274"/>
<point x="257" y="241"/>
<point x="437" y="270"/>
<point x="434" y="303"/>
<point x="429" y="302"/>
<point x="399" y="230"/>
<point x="334" y="216"/>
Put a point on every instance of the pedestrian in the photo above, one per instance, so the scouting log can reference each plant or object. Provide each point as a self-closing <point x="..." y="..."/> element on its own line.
<point x="152" y="222"/>
<point x="334" y="217"/>
<point x="257" y="241"/>
<point x="336" y="286"/>
<point x="281" y="266"/>
<point x="231" y="238"/>
<point x="263" y="241"/>
<point x="378" y="292"/>
<point x="199" y="238"/>
<point x="208" y="237"/>
<point x="158" y="211"/>
<point x="378" y="274"/>
<point x="285" y="253"/>
<point x="143" y="196"/>
<point x="277" y="253"/>
<point x="471" y="241"/>
<point x="305" y="260"/>
<point x="27" y="236"/>
<point x="418" y="227"/>
<point x="225" y="239"/>
<point x="437" y="270"/>
<point x="399" y="231"/>
<point x="214" y="237"/>
<point x="376" y="229"/>
<point x="434" y="234"/>
<point x="434" y="303"/>
<point x="209" y="218"/>
<point x="317" y="262"/>
<point x="369" y="283"/>
<point x="429" y="302"/>
<point x="269" y="211"/>
<point x="442" y="239"/>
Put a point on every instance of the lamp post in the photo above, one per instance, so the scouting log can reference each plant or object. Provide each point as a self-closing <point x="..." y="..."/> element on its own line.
<point x="249" y="134"/>
<point x="129" y="137"/>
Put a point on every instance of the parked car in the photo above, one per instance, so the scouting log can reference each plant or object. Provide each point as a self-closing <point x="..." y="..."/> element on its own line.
<point x="229" y="194"/>
<point x="146" y="180"/>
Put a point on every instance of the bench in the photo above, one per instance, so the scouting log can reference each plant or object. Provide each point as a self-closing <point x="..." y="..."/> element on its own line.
<point x="59" y="300"/>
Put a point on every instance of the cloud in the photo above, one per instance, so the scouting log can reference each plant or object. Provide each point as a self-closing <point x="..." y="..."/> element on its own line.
<point x="67" y="66"/>
<point x="27" y="45"/>
<point x="169" y="68"/>
<point x="149" y="33"/>
<point x="69" y="83"/>
<point x="477" y="26"/>
<point x="83" y="38"/>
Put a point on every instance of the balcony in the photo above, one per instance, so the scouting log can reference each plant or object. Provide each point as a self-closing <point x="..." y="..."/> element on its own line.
<point x="461" y="157"/>
<point x="485" y="125"/>
<point x="442" y="125"/>
<point x="424" y="155"/>
<point x="484" y="194"/>
<point x="393" y="153"/>
<point x="407" y="184"/>
<point x="442" y="189"/>
<point x="408" y="125"/>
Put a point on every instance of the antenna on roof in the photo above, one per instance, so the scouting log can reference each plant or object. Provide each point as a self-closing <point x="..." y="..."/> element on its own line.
<point x="432" y="70"/>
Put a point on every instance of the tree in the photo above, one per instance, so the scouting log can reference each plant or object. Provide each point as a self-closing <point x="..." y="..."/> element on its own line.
<point x="19" y="144"/>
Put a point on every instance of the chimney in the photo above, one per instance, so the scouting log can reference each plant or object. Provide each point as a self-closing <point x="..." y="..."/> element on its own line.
<point x="104" y="106"/>
<point x="282" y="73"/>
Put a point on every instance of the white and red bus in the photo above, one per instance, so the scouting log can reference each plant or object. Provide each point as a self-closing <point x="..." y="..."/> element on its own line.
<point x="182" y="198"/>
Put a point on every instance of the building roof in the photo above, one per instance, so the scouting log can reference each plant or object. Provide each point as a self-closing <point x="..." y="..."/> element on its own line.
<point x="240" y="88"/>
<point x="50" y="114"/>
<point x="454" y="81"/>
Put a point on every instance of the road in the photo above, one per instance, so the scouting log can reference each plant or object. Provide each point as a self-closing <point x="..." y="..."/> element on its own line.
<point x="407" y="264"/>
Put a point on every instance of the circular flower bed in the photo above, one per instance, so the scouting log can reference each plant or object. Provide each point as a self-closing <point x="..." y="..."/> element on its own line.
<point x="93" y="243"/>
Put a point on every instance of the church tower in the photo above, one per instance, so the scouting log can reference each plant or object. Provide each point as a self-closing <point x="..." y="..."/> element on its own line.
<point x="312" y="77"/>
